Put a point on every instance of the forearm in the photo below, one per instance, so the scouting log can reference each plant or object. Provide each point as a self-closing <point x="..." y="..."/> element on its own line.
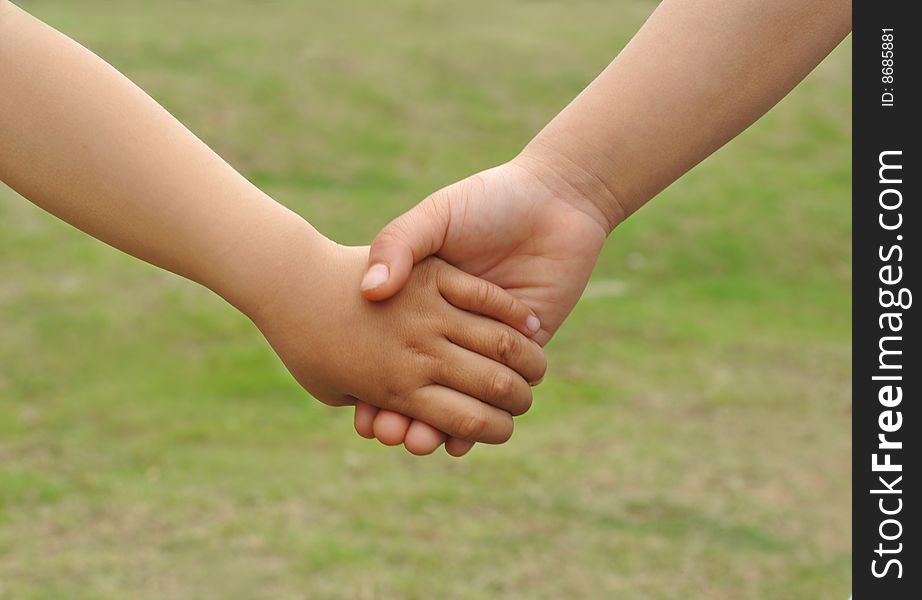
<point x="84" y="143"/>
<point x="696" y="74"/>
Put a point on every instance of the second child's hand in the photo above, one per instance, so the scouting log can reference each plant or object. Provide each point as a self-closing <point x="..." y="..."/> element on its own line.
<point x="671" y="97"/>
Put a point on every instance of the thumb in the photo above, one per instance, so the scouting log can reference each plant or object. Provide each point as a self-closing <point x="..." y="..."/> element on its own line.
<point x="405" y="241"/>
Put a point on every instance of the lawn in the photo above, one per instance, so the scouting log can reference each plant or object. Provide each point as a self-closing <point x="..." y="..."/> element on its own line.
<point x="691" y="439"/>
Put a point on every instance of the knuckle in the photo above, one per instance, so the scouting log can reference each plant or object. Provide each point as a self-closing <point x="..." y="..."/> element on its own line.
<point x="396" y="230"/>
<point x="435" y="208"/>
<point x="483" y="293"/>
<point x="392" y="395"/>
<point x="471" y="425"/>
<point x="502" y="385"/>
<point x="419" y="351"/>
<point x="507" y="347"/>
<point x="392" y="235"/>
<point x="416" y="364"/>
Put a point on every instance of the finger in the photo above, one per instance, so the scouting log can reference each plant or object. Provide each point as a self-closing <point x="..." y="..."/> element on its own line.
<point x="482" y="378"/>
<point x="423" y="439"/>
<point x="498" y="342"/>
<point x="405" y="241"/>
<point x="480" y="296"/>
<point x="365" y="419"/>
<point x="460" y="415"/>
<point x="391" y="428"/>
<point x="458" y="447"/>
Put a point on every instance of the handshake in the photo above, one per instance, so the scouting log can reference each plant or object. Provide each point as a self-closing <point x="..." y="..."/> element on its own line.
<point x="435" y="334"/>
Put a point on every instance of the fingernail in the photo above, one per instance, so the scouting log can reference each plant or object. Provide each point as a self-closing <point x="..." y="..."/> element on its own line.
<point x="375" y="276"/>
<point x="532" y="324"/>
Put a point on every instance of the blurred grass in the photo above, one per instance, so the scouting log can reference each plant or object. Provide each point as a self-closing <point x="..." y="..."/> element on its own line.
<point x="690" y="441"/>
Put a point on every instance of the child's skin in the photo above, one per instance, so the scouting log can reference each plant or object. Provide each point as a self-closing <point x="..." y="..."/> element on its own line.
<point x="696" y="74"/>
<point x="82" y="142"/>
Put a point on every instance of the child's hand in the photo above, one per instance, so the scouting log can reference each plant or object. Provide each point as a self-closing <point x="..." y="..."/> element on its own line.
<point x="421" y="353"/>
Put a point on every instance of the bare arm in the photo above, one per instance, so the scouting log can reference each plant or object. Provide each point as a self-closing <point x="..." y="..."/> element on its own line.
<point x="84" y="143"/>
<point x="696" y="74"/>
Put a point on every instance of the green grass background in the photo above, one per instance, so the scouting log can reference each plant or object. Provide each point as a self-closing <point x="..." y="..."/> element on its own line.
<point x="691" y="439"/>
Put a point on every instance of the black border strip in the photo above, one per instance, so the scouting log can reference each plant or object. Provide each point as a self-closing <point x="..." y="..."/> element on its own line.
<point x="885" y="271"/>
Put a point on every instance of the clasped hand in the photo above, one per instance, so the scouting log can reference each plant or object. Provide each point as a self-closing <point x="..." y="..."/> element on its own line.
<point x="532" y="230"/>
<point x="442" y="351"/>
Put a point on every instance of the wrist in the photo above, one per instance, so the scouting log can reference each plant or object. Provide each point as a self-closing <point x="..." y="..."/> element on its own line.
<point x="255" y="266"/>
<point x="573" y="182"/>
